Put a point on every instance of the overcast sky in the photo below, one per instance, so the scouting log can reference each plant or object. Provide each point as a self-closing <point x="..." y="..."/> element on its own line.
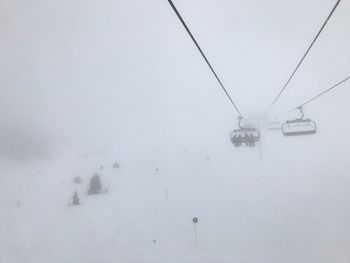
<point x="127" y="69"/>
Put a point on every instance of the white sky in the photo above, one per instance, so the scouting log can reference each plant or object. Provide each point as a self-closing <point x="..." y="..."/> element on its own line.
<point x="128" y="68"/>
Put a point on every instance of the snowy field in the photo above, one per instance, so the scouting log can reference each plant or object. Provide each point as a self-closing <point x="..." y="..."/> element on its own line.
<point x="249" y="209"/>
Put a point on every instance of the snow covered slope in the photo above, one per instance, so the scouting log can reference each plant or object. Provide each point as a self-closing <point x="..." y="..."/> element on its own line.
<point x="249" y="209"/>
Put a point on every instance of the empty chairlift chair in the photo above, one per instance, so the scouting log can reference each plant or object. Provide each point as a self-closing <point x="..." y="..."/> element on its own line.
<point x="299" y="126"/>
<point x="274" y="126"/>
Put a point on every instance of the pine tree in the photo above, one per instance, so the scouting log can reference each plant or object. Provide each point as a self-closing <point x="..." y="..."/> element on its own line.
<point x="77" y="180"/>
<point x="75" y="199"/>
<point x="95" y="185"/>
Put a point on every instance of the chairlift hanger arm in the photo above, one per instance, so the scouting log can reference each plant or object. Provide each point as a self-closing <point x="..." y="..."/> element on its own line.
<point x="300" y="108"/>
<point x="240" y="118"/>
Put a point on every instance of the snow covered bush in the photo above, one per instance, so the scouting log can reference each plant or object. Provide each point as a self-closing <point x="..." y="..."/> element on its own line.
<point x="77" y="180"/>
<point x="116" y="165"/>
<point x="75" y="199"/>
<point x="95" y="186"/>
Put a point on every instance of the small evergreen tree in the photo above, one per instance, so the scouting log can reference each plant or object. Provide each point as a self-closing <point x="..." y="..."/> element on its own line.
<point x="75" y="199"/>
<point x="95" y="185"/>
<point x="77" y="180"/>
<point x="116" y="165"/>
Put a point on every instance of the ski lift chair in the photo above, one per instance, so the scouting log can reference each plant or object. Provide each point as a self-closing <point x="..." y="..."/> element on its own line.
<point x="299" y="126"/>
<point x="237" y="136"/>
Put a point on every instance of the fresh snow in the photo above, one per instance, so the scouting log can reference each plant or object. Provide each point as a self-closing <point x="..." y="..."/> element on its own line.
<point x="249" y="209"/>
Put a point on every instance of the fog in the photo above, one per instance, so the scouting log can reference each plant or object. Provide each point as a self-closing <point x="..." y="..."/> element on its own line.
<point x="122" y="79"/>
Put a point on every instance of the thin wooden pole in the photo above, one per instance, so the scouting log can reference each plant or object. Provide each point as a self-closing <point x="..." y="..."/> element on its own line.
<point x="195" y="234"/>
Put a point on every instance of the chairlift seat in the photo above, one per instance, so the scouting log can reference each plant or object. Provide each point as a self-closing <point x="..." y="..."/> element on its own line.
<point x="243" y="131"/>
<point x="274" y="126"/>
<point x="299" y="127"/>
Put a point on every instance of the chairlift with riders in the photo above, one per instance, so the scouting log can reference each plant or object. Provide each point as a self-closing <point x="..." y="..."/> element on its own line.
<point x="247" y="135"/>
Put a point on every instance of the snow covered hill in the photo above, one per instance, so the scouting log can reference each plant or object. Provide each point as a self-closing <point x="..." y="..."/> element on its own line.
<point x="249" y="209"/>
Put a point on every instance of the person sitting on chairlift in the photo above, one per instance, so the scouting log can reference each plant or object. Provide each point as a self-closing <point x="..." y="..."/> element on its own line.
<point x="246" y="139"/>
<point x="235" y="140"/>
<point x="240" y="139"/>
<point x="251" y="140"/>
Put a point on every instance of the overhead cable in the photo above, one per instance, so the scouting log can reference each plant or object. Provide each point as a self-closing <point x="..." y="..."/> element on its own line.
<point x="322" y="93"/>
<point x="203" y="55"/>
<point x="303" y="57"/>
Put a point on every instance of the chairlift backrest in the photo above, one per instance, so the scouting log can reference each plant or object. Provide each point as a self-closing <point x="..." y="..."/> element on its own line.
<point x="299" y="126"/>
<point x="302" y="127"/>
<point x="274" y="126"/>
